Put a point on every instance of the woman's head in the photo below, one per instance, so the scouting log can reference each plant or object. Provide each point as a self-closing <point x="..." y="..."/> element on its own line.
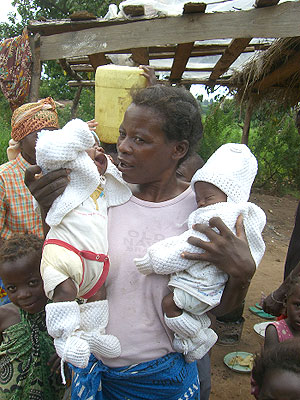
<point x="179" y="112"/>
<point x="277" y="371"/>
<point x="29" y="119"/>
<point x="20" y="259"/>
<point x="159" y="128"/>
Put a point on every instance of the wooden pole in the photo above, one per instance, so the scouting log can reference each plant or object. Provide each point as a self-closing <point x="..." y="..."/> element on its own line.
<point x="247" y="121"/>
<point x="76" y="102"/>
<point x="36" y="69"/>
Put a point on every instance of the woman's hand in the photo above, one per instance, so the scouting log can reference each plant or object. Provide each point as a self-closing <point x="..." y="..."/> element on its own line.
<point x="149" y="74"/>
<point x="45" y="188"/>
<point x="274" y="303"/>
<point x="92" y="124"/>
<point x="226" y="250"/>
<point x="231" y="254"/>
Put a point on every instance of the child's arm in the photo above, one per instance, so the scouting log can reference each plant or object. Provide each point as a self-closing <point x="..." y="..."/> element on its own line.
<point x="271" y="337"/>
<point x="9" y="315"/>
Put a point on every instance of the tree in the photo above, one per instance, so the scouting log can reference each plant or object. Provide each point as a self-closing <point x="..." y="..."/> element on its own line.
<point x="50" y="9"/>
<point x="54" y="81"/>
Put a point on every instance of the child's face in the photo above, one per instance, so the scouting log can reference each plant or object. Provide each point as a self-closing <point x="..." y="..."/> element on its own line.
<point x="293" y="309"/>
<point x="279" y="384"/>
<point x="23" y="282"/>
<point x="208" y="194"/>
<point x="97" y="155"/>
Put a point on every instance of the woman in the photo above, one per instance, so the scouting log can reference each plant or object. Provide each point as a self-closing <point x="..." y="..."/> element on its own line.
<point x="159" y="130"/>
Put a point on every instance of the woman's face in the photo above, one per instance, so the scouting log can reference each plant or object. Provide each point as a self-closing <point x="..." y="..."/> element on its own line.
<point x="145" y="155"/>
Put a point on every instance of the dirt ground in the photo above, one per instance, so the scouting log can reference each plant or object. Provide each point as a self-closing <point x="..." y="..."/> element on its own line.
<point x="280" y="211"/>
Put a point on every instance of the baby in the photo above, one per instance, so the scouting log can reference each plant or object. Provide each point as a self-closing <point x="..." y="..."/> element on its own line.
<point x="222" y="187"/>
<point x="75" y="263"/>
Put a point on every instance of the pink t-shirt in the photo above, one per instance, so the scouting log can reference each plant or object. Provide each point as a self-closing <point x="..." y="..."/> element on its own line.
<point x="134" y="299"/>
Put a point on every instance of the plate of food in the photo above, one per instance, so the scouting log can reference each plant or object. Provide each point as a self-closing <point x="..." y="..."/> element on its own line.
<point x="261" y="328"/>
<point x="239" y="361"/>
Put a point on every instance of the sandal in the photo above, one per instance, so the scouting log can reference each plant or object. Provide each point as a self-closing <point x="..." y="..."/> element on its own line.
<point x="260" y="313"/>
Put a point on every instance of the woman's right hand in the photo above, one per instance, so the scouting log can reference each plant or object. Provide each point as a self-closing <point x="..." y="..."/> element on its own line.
<point x="46" y="188"/>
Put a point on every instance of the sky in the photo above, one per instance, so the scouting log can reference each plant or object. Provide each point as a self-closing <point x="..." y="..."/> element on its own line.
<point x="5" y="8"/>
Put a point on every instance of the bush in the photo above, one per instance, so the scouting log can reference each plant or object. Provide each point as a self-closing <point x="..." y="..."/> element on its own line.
<point x="273" y="139"/>
<point x="5" y="117"/>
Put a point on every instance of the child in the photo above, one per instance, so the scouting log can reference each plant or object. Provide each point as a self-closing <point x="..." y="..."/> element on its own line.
<point x="277" y="371"/>
<point x="284" y="329"/>
<point x="222" y="188"/>
<point x="26" y="347"/>
<point x="75" y="262"/>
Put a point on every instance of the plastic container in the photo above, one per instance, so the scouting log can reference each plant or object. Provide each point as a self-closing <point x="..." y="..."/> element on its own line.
<point x="113" y="84"/>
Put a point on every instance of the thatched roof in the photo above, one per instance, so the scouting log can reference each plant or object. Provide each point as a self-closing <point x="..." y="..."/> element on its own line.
<point x="272" y="75"/>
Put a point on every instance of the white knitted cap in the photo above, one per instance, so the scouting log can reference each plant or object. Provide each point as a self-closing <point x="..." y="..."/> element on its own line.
<point x="66" y="148"/>
<point x="232" y="168"/>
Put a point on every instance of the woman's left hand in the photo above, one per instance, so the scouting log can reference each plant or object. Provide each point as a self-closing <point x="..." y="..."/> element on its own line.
<point x="226" y="250"/>
<point x="92" y="124"/>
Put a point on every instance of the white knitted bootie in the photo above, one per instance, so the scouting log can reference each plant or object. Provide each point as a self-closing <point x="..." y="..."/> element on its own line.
<point x="192" y="336"/>
<point x="186" y="325"/>
<point x="93" y="321"/>
<point x="202" y="347"/>
<point x="63" y="321"/>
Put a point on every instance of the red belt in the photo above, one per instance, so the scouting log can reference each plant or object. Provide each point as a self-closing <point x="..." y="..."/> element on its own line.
<point x="88" y="255"/>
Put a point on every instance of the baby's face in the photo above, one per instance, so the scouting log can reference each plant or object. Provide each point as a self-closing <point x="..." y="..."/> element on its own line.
<point x="97" y="155"/>
<point x="208" y="194"/>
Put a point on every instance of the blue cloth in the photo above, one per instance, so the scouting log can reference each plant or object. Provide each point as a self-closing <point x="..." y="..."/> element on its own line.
<point x="3" y="295"/>
<point x="166" y="378"/>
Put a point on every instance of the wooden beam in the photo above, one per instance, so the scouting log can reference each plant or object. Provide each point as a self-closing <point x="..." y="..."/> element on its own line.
<point x="282" y="73"/>
<point x="232" y="52"/>
<point x="36" y="69"/>
<point x="189" y="8"/>
<point x="66" y="66"/>
<point x="140" y="55"/>
<point x="98" y="59"/>
<point x="81" y="83"/>
<point x="280" y="21"/>
<point x="205" y="82"/>
<point x="83" y="68"/>
<point x="180" y="61"/>
<point x="265" y="3"/>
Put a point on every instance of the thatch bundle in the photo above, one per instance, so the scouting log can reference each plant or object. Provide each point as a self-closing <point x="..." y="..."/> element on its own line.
<point x="272" y="75"/>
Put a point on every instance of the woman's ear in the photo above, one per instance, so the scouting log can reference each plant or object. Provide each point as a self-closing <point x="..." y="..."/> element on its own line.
<point x="180" y="149"/>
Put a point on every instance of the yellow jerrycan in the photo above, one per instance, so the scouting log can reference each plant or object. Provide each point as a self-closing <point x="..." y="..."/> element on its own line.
<point x="113" y="84"/>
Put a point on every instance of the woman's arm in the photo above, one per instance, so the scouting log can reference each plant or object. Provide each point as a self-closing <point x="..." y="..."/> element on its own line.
<point x="45" y="188"/>
<point x="231" y="254"/>
<point x="274" y="303"/>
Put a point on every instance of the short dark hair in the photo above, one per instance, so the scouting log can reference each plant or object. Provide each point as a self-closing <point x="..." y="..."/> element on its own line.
<point x="179" y="110"/>
<point x="292" y="285"/>
<point x="284" y="356"/>
<point x="20" y="245"/>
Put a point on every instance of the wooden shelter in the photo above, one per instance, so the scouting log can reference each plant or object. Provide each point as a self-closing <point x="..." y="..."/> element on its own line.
<point x="83" y="45"/>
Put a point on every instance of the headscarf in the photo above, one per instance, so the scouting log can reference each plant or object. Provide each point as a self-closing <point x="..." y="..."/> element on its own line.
<point x="28" y="118"/>
<point x="32" y="117"/>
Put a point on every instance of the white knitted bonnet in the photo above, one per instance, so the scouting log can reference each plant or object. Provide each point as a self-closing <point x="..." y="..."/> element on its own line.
<point x="66" y="148"/>
<point x="232" y="168"/>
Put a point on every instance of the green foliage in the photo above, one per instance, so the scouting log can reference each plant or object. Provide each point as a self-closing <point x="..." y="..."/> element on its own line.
<point x="86" y="109"/>
<point x="5" y="117"/>
<point x="273" y="139"/>
<point x="221" y="125"/>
